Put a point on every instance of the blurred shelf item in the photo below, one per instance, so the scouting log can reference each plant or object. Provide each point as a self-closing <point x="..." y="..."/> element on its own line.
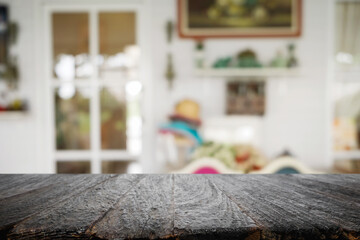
<point x="248" y="72"/>
<point x="13" y="115"/>
<point x="343" y="155"/>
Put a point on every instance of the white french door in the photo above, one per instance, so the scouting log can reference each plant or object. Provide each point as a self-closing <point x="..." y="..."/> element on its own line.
<point x="95" y="87"/>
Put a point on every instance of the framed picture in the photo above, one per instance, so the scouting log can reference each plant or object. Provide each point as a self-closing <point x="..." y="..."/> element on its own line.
<point x="239" y="18"/>
<point x="3" y="33"/>
<point x="245" y="98"/>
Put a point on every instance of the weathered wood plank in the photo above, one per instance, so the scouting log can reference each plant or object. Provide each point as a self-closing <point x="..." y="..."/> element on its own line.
<point x="14" y="182"/>
<point x="74" y="216"/>
<point x="346" y="184"/>
<point x="343" y="193"/>
<point x="12" y="185"/>
<point x="320" y="205"/>
<point x="340" y="180"/>
<point x="180" y="206"/>
<point x="281" y="212"/>
<point x="19" y="207"/>
<point x="145" y="212"/>
<point x="205" y="212"/>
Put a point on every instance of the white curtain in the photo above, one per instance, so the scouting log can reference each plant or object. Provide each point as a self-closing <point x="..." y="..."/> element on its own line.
<point x="348" y="29"/>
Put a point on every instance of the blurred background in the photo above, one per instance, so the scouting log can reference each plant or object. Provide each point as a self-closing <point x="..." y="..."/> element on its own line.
<point x="195" y="86"/>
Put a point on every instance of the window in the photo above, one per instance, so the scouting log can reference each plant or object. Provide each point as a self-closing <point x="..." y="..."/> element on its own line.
<point x="96" y="90"/>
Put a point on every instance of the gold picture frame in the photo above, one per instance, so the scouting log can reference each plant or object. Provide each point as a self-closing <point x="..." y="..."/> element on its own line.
<point x="239" y="18"/>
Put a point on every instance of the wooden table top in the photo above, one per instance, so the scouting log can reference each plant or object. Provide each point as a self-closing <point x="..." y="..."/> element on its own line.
<point x="180" y="206"/>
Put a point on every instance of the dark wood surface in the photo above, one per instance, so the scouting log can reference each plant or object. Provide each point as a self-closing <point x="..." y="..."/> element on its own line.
<point x="180" y="206"/>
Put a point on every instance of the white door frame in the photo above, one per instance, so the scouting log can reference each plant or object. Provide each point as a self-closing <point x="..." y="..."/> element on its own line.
<point x="46" y="150"/>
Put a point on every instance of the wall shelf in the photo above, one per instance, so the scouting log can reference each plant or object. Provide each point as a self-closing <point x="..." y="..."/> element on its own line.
<point x="247" y="72"/>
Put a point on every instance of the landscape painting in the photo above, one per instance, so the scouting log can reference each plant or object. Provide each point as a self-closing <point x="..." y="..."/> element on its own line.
<point x="239" y="18"/>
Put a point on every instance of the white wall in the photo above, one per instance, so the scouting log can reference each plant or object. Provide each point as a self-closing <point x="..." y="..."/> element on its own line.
<point x="18" y="136"/>
<point x="295" y="119"/>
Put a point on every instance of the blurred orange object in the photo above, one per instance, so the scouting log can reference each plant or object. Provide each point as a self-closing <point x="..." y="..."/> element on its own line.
<point x="188" y="109"/>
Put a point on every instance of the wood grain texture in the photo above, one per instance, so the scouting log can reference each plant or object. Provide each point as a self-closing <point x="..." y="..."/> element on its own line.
<point x="289" y="210"/>
<point x="322" y="202"/>
<point x="16" y="208"/>
<point x="180" y="206"/>
<point x="145" y="212"/>
<point x="74" y="216"/>
<point x="11" y="185"/>
<point x="200" y="205"/>
<point x="16" y="184"/>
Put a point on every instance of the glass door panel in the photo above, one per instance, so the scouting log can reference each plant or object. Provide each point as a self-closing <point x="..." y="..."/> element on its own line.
<point x="113" y="166"/>
<point x="118" y="52"/>
<point x="71" y="57"/>
<point x="72" y="117"/>
<point x="121" y="121"/>
<point x="134" y="117"/>
<point x="73" y="167"/>
<point x="118" y="61"/>
<point x="113" y="118"/>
